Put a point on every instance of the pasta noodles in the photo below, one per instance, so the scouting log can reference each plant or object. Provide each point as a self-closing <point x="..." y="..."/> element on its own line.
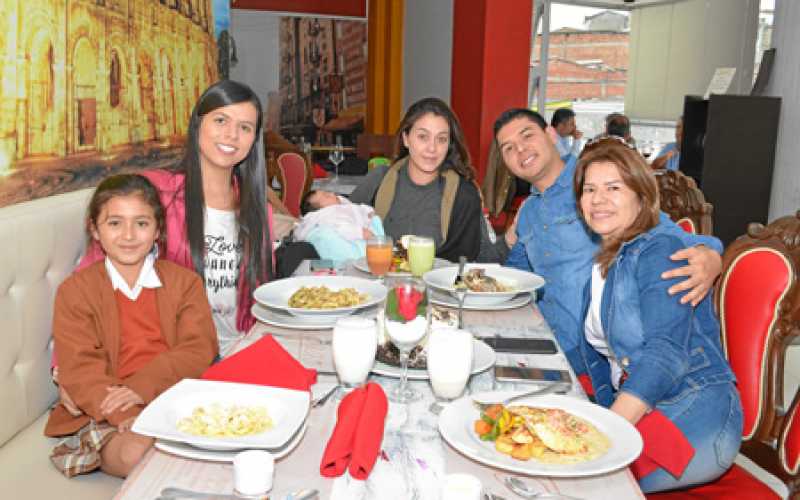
<point x="322" y="297"/>
<point x="218" y="420"/>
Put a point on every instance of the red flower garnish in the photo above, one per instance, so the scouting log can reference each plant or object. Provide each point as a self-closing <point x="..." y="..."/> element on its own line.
<point x="408" y="298"/>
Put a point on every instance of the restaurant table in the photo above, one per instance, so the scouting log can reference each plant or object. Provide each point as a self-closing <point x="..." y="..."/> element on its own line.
<point x="414" y="457"/>
<point x="343" y="185"/>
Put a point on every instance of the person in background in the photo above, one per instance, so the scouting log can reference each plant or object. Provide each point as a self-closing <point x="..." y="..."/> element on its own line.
<point x="553" y="242"/>
<point x="218" y="221"/>
<point x="126" y="329"/>
<point x="645" y="350"/>
<point x="619" y="125"/>
<point x="336" y="227"/>
<point x="429" y="190"/>
<point x="670" y="155"/>
<point x="569" y="137"/>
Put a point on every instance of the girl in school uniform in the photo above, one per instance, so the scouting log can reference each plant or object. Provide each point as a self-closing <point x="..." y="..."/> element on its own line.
<point x="126" y="329"/>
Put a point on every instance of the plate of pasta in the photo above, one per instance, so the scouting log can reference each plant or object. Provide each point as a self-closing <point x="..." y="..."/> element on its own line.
<point x="320" y="298"/>
<point x="224" y="415"/>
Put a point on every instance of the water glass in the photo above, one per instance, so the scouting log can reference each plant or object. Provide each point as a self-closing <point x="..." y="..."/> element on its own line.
<point x="355" y="341"/>
<point x="421" y="253"/>
<point x="379" y="255"/>
<point x="450" y="353"/>
<point x="252" y="472"/>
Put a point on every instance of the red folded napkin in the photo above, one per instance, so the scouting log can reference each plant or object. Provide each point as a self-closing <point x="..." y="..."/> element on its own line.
<point x="319" y="172"/>
<point x="357" y="437"/>
<point x="665" y="446"/>
<point x="264" y="363"/>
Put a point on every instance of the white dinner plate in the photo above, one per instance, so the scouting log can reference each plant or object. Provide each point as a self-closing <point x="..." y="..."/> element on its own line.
<point x="189" y="451"/>
<point x="445" y="299"/>
<point x="519" y="282"/>
<point x="287" y="408"/>
<point x="456" y="424"/>
<point x="276" y="294"/>
<point x="284" y="319"/>
<point x="361" y="265"/>
<point x="483" y="358"/>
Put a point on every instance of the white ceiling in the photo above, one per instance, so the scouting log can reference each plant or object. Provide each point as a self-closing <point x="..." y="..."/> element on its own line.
<point x="615" y="4"/>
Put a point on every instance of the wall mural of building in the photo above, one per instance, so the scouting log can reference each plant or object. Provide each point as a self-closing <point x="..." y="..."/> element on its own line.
<point x="323" y="72"/>
<point x="90" y="87"/>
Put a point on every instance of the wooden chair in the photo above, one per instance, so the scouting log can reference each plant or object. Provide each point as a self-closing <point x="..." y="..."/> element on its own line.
<point x="758" y="299"/>
<point x="293" y="172"/>
<point x="683" y="201"/>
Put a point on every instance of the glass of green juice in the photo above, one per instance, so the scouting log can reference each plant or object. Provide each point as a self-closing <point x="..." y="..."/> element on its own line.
<point x="421" y="252"/>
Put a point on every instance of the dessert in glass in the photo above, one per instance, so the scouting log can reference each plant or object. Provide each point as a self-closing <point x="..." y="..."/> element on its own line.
<point x="406" y="319"/>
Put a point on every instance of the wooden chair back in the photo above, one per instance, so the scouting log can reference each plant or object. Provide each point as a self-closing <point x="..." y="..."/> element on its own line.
<point x="683" y="201"/>
<point x="758" y="299"/>
<point x="293" y="176"/>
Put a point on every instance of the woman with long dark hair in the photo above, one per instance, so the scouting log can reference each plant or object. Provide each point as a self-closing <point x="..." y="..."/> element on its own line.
<point x="218" y="221"/>
<point x="429" y="190"/>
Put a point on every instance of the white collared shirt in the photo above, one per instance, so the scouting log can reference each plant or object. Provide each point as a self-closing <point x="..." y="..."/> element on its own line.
<point x="147" y="278"/>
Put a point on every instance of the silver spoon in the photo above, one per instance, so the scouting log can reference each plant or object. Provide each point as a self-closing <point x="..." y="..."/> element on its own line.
<point x="522" y="489"/>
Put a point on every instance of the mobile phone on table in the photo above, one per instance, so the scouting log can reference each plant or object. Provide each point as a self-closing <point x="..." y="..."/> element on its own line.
<point x="530" y="374"/>
<point x="321" y="265"/>
<point x="522" y="345"/>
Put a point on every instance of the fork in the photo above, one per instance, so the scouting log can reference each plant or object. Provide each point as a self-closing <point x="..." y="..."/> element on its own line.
<point x="559" y="387"/>
<point x="324" y="397"/>
<point x="460" y="289"/>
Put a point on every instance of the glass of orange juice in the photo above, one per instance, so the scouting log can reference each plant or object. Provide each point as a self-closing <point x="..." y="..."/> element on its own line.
<point x="379" y="255"/>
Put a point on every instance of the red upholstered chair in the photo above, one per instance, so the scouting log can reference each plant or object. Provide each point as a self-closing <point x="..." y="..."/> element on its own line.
<point x="685" y="204"/>
<point x="293" y="173"/>
<point x="758" y="299"/>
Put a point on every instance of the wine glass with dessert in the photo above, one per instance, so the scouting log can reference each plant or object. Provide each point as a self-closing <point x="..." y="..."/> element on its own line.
<point x="406" y="320"/>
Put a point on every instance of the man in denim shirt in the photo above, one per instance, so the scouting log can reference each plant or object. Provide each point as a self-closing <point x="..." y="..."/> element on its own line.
<point x="553" y="240"/>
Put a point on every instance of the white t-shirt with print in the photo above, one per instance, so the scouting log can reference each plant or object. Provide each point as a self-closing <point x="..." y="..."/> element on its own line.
<point x="222" y="257"/>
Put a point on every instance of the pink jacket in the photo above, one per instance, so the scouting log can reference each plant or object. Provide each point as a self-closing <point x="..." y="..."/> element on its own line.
<point x="170" y="187"/>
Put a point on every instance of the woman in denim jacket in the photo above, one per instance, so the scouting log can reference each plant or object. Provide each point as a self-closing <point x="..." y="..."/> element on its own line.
<point x="643" y="349"/>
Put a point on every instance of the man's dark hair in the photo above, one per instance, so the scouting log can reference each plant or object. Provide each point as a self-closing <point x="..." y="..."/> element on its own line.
<point x="618" y="125"/>
<point x="560" y="116"/>
<point x="305" y="203"/>
<point x="514" y="113"/>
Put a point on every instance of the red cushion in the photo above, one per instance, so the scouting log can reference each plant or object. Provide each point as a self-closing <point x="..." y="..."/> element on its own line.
<point x="790" y="441"/>
<point x="517" y="201"/>
<point x="755" y="283"/>
<point x="319" y="172"/>
<point x="293" y="169"/>
<point x="687" y="225"/>
<point x="734" y="484"/>
<point x="499" y="221"/>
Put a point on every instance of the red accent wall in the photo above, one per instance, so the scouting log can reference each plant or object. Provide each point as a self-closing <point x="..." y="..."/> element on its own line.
<point x="491" y="57"/>
<point x="354" y="8"/>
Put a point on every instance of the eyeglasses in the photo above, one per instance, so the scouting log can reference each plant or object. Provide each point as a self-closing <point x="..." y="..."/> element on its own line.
<point x="607" y="140"/>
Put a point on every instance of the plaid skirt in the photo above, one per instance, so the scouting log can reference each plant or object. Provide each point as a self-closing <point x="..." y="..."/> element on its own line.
<point x="80" y="452"/>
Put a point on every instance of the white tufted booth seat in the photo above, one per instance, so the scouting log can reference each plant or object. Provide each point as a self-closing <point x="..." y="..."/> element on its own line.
<point x="41" y="242"/>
